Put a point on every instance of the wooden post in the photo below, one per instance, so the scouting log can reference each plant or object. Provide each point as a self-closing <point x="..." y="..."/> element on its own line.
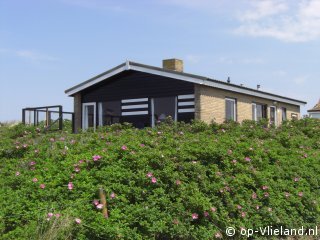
<point x="60" y="118"/>
<point x="24" y="116"/>
<point x="103" y="202"/>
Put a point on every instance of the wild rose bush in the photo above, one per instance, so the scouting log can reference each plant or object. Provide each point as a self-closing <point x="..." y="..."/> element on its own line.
<point x="176" y="181"/>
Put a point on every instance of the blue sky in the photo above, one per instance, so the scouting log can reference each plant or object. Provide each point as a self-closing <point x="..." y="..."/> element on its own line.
<point x="49" y="46"/>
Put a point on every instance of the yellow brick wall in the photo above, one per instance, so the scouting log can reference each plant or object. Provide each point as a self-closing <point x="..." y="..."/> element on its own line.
<point x="210" y="105"/>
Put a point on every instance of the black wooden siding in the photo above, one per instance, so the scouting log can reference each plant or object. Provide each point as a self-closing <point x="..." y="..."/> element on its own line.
<point x="132" y="84"/>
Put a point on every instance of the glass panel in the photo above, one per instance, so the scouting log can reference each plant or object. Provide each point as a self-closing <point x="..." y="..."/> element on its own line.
<point x="109" y="112"/>
<point x="284" y="114"/>
<point x="163" y="108"/>
<point x="230" y="109"/>
<point x="90" y="116"/>
<point x="272" y="115"/>
<point x="259" y="112"/>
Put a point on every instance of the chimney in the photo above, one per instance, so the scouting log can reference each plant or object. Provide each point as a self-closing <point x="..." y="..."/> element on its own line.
<point x="173" y="64"/>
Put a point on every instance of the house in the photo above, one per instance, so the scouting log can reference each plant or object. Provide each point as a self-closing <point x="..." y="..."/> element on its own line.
<point x="144" y="95"/>
<point x="315" y="111"/>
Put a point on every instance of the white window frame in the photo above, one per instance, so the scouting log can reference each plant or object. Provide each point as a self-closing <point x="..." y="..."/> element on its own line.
<point x="85" y="115"/>
<point x="234" y="107"/>
<point x="275" y="114"/>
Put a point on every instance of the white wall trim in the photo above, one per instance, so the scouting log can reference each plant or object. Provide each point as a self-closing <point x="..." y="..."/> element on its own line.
<point x="189" y="96"/>
<point x="134" y="100"/>
<point x="134" y="113"/>
<point x="134" y="106"/>
<point x="186" y="103"/>
<point x="185" y="110"/>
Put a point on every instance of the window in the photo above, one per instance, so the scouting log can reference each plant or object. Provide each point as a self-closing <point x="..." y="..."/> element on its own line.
<point x="294" y="116"/>
<point x="109" y="112"/>
<point x="273" y="115"/>
<point x="163" y="107"/>
<point x="231" y="109"/>
<point x="259" y="111"/>
<point x="89" y="115"/>
<point x="284" y="114"/>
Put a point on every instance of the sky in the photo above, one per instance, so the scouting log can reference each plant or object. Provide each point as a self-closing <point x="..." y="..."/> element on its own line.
<point x="48" y="46"/>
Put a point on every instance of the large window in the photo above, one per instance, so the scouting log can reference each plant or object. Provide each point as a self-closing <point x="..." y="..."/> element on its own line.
<point x="109" y="112"/>
<point x="162" y="108"/>
<point x="259" y="111"/>
<point x="231" y="109"/>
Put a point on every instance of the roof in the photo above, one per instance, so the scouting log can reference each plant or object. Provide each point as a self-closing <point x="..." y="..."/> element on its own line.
<point x="128" y="65"/>
<point x="316" y="108"/>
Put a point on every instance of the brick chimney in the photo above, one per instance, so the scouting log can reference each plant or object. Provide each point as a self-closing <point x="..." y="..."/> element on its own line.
<point x="173" y="64"/>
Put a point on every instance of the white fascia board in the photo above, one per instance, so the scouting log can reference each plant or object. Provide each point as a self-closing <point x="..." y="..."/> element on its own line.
<point x="215" y="85"/>
<point x="97" y="80"/>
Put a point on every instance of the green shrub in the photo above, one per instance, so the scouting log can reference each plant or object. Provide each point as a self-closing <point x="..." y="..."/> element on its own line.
<point x="175" y="181"/>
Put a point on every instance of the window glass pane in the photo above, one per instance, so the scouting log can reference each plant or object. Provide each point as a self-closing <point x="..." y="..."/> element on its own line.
<point x="163" y="108"/>
<point x="109" y="112"/>
<point x="230" y="109"/>
<point x="284" y="114"/>
<point x="259" y="112"/>
<point x="272" y="115"/>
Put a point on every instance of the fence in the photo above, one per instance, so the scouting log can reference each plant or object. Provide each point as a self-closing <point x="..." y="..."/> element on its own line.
<point x="47" y="116"/>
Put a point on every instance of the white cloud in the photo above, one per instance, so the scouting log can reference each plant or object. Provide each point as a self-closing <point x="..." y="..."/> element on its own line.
<point x="290" y="21"/>
<point x="264" y="8"/>
<point x="28" y="55"/>
<point x="32" y="55"/>
<point x="301" y="80"/>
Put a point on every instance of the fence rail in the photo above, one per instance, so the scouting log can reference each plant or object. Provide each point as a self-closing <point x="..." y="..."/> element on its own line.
<point x="34" y="118"/>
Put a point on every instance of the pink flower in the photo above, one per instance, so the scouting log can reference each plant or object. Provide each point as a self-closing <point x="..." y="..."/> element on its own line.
<point x="248" y="159"/>
<point x="32" y="163"/>
<point x="195" y="216"/>
<point x="70" y="185"/>
<point x="17" y="173"/>
<point x="51" y="139"/>
<point x="296" y="179"/>
<point x="206" y="214"/>
<point x="25" y="145"/>
<point x="42" y="185"/>
<point x="266" y="194"/>
<point x="270" y="209"/>
<point x="178" y="182"/>
<point x="265" y="187"/>
<point x="124" y="147"/>
<point x="112" y="195"/>
<point x="305" y="155"/>
<point x="95" y="202"/>
<point x="229" y="151"/>
<point x="300" y="194"/>
<point x="81" y="161"/>
<point x="77" y="169"/>
<point x="142" y="145"/>
<point x="96" y="158"/>
<point x="175" y="221"/>
<point x="153" y="180"/>
<point x="287" y="194"/>
<point x="50" y="215"/>
<point x="243" y="214"/>
<point x="99" y="206"/>
<point x="239" y="207"/>
<point x="77" y="220"/>
<point x="222" y="130"/>
<point x="218" y="235"/>
<point x="149" y="174"/>
<point x="254" y="195"/>
<point x="213" y="209"/>
<point x="35" y="180"/>
<point x="36" y="151"/>
<point x="57" y="215"/>
<point x="234" y="161"/>
<point x="257" y="207"/>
